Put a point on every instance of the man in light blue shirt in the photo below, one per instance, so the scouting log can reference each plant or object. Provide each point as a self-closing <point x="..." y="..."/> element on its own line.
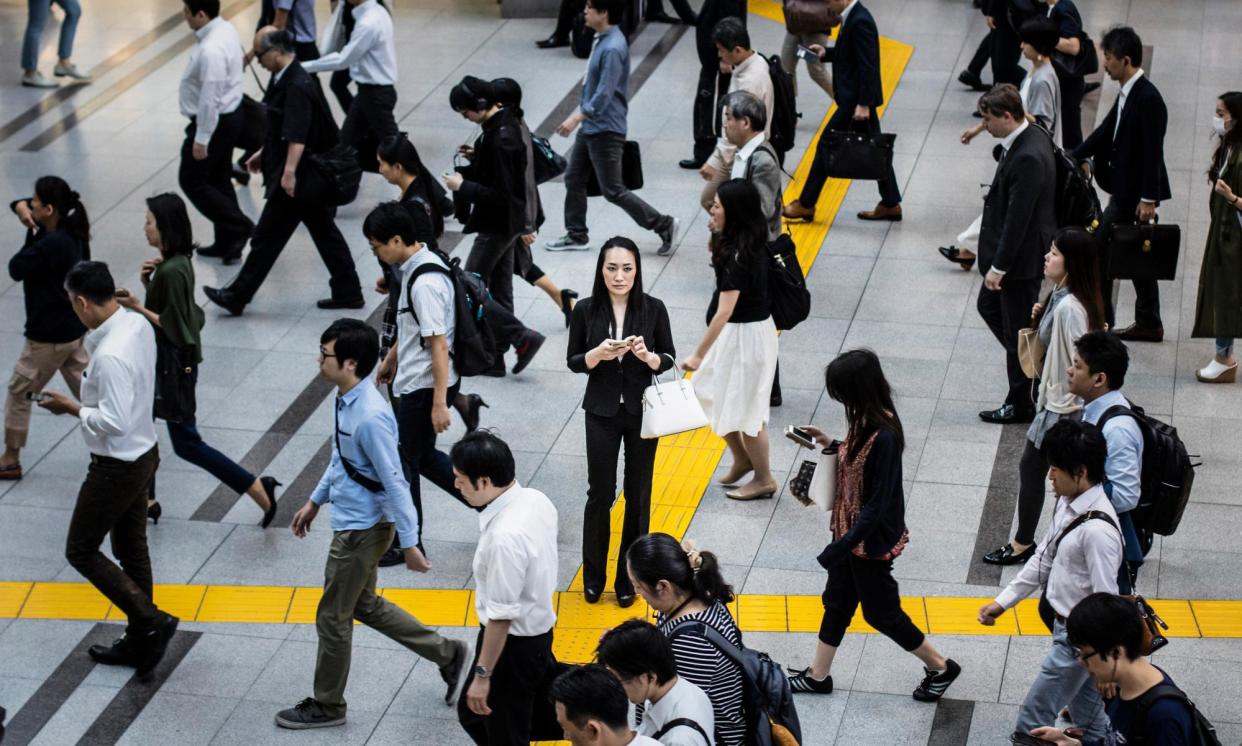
<point x="368" y="492"/>
<point x="1098" y="372"/>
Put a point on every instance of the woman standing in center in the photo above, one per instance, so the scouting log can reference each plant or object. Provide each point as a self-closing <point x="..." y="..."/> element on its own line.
<point x="620" y="337"/>
<point x="736" y="359"/>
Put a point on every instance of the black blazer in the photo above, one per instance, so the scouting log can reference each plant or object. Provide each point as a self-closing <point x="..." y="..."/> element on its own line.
<point x="1131" y="167"/>
<point x="495" y="182"/>
<point x="296" y="113"/>
<point x="856" y="61"/>
<point x="611" y="379"/>
<point x="1019" y="213"/>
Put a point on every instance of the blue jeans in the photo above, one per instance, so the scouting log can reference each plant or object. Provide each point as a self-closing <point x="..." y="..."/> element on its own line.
<point x="189" y="445"/>
<point x="1224" y="346"/>
<point x="37" y="19"/>
<point x="1062" y="681"/>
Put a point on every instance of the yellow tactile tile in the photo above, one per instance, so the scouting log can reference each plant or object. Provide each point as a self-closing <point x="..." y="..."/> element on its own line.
<point x="913" y="606"/>
<point x="762" y="613"/>
<point x="65" y="601"/>
<point x="432" y="607"/>
<point x="304" y="606"/>
<point x="182" y="601"/>
<point x="1217" y="618"/>
<point x="1178" y="616"/>
<point x="573" y="612"/>
<point x="804" y="613"/>
<point x="253" y="604"/>
<point x="959" y="616"/>
<point x="1027" y="615"/>
<point x="12" y="596"/>
<point x="472" y="619"/>
<point x="575" y="645"/>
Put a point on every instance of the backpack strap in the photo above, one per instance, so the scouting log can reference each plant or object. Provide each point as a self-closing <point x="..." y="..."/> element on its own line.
<point x="1089" y="515"/>
<point x="1156" y="693"/>
<point x="1118" y="410"/>
<point x="682" y="723"/>
<point x="420" y="270"/>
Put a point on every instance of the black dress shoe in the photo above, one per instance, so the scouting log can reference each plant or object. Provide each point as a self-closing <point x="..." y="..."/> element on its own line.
<point x="1136" y="333"/>
<point x="334" y="303"/>
<point x="119" y="653"/>
<point x="954" y="254"/>
<point x="225" y="299"/>
<point x="269" y="486"/>
<point x="1006" y="556"/>
<point x="592" y="595"/>
<point x="155" y="644"/>
<point x="972" y="81"/>
<point x="553" y="42"/>
<point x="1006" y="414"/>
<point x="625" y="599"/>
<point x="227" y="251"/>
<point x="690" y="164"/>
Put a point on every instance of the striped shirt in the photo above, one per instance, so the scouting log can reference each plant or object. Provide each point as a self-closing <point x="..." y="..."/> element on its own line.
<point x="699" y="662"/>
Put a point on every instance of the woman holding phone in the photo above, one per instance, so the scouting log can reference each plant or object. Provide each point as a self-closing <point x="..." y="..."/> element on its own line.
<point x="620" y="337"/>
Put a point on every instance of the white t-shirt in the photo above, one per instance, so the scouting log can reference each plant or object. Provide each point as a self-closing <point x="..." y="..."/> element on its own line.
<point x="433" y="304"/>
<point x="684" y="700"/>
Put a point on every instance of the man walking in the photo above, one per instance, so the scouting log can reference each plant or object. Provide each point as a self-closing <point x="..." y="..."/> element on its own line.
<point x="705" y="111"/>
<point x="210" y="96"/>
<point x="750" y="75"/>
<point x="299" y="124"/>
<point x="118" y="392"/>
<point x="368" y="495"/>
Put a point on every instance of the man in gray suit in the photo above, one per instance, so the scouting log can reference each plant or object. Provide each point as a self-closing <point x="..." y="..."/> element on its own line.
<point x="1019" y="219"/>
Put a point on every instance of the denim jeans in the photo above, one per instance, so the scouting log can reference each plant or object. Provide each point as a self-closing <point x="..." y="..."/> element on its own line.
<point x="37" y="19"/>
<point x="1063" y="680"/>
<point x="1224" y="346"/>
<point x="601" y="152"/>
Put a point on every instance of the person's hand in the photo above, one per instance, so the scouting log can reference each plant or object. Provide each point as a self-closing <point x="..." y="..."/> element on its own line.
<point x="692" y="363"/>
<point x="289" y="182"/>
<point x="707" y="171"/>
<point x="25" y="215"/>
<point x="1036" y="309"/>
<point x="725" y="68"/>
<point x="415" y="560"/>
<point x="249" y="57"/>
<point x="990" y="21"/>
<point x="1056" y="736"/>
<point x="302" y="519"/>
<point x="440" y="417"/>
<point x="969" y="135"/>
<point x="529" y="238"/>
<point x="818" y="49"/>
<point x="862" y="113"/>
<point x="386" y="371"/>
<point x="199" y="151"/>
<point x="255" y="162"/>
<point x="453" y="181"/>
<point x="149" y="265"/>
<point x="1220" y="188"/>
<point x="476" y="696"/>
<point x="1107" y="689"/>
<point x="381" y="285"/>
<point x="989" y="613"/>
<point x="466" y="151"/>
<point x="1146" y="212"/>
<point x="993" y="280"/>
<point x="818" y="435"/>
<point x="606" y="351"/>
<point x="639" y="347"/>
<point x="128" y="299"/>
<point x="58" y="403"/>
<point x="570" y="124"/>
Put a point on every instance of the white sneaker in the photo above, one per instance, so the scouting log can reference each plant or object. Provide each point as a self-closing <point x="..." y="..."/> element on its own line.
<point x="566" y="243"/>
<point x="71" y="71"/>
<point x="35" y="79"/>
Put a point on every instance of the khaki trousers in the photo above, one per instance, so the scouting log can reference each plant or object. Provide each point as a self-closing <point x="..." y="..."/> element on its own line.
<point x="349" y="594"/>
<point x="36" y="365"/>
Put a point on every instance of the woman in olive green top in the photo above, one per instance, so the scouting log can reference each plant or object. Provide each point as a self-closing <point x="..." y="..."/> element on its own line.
<point x="170" y="307"/>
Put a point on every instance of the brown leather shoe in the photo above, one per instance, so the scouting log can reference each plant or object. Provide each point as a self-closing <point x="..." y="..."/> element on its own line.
<point x="10" y="471"/>
<point x="796" y="211"/>
<point x="882" y="213"/>
<point x="1136" y="333"/>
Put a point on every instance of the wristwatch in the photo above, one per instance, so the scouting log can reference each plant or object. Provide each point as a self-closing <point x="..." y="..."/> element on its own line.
<point x="482" y="672"/>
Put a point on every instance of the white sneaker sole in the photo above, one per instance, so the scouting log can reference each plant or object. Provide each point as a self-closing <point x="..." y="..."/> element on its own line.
<point x="298" y="725"/>
<point x="463" y="674"/>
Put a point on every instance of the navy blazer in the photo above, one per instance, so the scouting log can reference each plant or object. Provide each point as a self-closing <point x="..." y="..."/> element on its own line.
<point x="1131" y="166"/>
<point x="856" y="61"/>
<point x="1019" y="213"/>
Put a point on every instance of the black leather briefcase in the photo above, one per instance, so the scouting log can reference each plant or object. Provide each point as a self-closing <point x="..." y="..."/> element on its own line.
<point x="1144" y="252"/>
<point x="865" y="156"/>
<point x="631" y="171"/>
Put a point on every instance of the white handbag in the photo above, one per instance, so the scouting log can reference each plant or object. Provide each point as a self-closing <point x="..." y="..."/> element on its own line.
<point x="816" y="481"/>
<point x="671" y="408"/>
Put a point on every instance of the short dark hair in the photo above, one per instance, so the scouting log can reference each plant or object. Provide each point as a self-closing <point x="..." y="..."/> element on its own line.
<point x="355" y="340"/>
<point x="387" y="220"/>
<point x="1071" y="445"/>
<point x="1123" y="41"/>
<point x="282" y="41"/>
<point x="745" y="105"/>
<point x="482" y="453"/>
<point x="210" y="7"/>
<point x="614" y="9"/>
<point x="472" y="94"/>
<point x="591" y="693"/>
<point x="1106" y="621"/>
<point x="1040" y="33"/>
<point x="173" y="222"/>
<point x="731" y="33"/>
<point x="1003" y="99"/>
<point x="635" y="647"/>
<point x="92" y="281"/>
<point x="1104" y="352"/>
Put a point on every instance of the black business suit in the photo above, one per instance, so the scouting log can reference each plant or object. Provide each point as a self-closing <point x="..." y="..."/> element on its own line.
<point x="1019" y="220"/>
<point x="713" y="84"/>
<point x="614" y="414"/>
<point x="856" y="82"/>
<point x="1006" y="45"/>
<point x="1130" y="167"/>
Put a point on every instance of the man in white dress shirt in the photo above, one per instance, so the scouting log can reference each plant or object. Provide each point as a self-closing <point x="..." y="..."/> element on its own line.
<point x="210" y="96"/>
<point x="370" y="55"/>
<point x="592" y="709"/>
<point x="118" y="392"/>
<point x="515" y="572"/>
<point x="1078" y="556"/>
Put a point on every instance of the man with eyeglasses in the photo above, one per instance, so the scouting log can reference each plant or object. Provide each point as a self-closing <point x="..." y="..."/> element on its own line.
<point x="1078" y="556"/>
<point x="369" y="494"/>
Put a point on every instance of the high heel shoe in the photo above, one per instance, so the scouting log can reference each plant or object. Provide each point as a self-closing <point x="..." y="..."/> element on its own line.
<point x="269" y="486"/>
<point x="734" y="476"/>
<point x="1217" y="372"/>
<point x="954" y="254"/>
<point x="471" y="414"/>
<point x="743" y="496"/>
<point x="567" y="304"/>
<point x="154" y="511"/>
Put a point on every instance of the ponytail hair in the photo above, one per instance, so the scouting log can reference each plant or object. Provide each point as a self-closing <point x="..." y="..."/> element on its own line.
<point x="656" y="557"/>
<point x="71" y="216"/>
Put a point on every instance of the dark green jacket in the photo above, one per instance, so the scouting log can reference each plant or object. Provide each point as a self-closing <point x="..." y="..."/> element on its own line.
<point x="1218" y="312"/>
<point x="171" y="295"/>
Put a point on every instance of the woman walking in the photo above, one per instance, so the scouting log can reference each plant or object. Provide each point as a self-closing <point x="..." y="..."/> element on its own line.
<point x="38" y="13"/>
<point x="1075" y="307"/>
<point x="868" y="519"/>
<point x="736" y="359"/>
<point x="178" y="320"/>
<point x="619" y="337"/>
<point x="1218" y="311"/>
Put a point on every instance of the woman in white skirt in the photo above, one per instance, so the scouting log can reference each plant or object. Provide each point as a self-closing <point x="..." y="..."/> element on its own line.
<point x="736" y="358"/>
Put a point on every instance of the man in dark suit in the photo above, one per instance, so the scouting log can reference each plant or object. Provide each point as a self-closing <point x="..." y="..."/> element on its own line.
<point x="1019" y="219"/>
<point x="1006" y="46"/>
<point x="856" y="81"/>
<point x="1128" y="149"/>
<point x="299" y="125"/>
<point x="713" y="84"/>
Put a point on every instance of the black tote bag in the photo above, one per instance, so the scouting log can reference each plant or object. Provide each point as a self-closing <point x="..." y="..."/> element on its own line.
<point x="631" y="171"/>
<point x="862" y="156"/>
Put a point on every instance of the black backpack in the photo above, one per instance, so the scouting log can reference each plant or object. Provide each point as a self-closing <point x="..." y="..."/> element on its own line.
<point x="473" y="340"/>
<point x="1077" y="202"/>
<point x="683" y="723"/>
<point x="784" y="124"/>
<point x="788" y="296"/>
<point x="1203" y="732"/>
<point x="1168" y="473"/>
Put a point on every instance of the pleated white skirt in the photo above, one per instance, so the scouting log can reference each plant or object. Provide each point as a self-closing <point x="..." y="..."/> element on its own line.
<point x="734" y="381"/>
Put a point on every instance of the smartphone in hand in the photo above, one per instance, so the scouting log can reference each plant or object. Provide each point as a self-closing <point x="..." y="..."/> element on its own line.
<point x="807" y="54"/>
<point x="800" y="436"/>
<point x="37" y="396"/>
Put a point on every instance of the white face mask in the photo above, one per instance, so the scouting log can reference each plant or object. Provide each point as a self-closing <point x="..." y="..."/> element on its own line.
<point x="1218" y="125"/>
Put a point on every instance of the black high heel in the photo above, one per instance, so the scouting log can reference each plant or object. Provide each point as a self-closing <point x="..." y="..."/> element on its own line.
<point x="154" y="511"/>
<point x="567" y="304"/>
<point x="269" y="486"/>
<point x="471" y="415"/>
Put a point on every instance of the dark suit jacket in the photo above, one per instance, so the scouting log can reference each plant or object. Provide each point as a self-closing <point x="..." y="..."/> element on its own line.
<point x="1019" y="214"/>
<point x="296" y="113"/>
<point x="856" y="62"/>
<point x="1131" y="167"/>
<point x="712" y="12"/>
<point x="611" y="379"/>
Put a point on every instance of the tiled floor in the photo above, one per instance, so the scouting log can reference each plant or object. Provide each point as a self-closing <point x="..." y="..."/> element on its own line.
<point x="881" y="286"/>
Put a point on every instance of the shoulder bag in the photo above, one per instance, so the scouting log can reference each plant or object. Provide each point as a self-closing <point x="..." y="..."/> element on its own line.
<point x="671" y="408"/>
<point x="808" y="16"/>
<point x="174" y="382"/>
<point x="549" y="164"/>
<point x="816" y="481"/>
<point x="1031" y="352"/>
<point x="1143" y="251"/>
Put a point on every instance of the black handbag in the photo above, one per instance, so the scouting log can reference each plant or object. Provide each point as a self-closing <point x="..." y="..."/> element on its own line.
<point x="330" y="178"/>
<point x="1086" y="62"/>
<point x="174" y="382"/>
<point x="631" y="171"/>
<point x="788" y="297"/>
<point x="862" y="156"/>
<point x="549" y="164"/>
<point x="254" y="124"/>
<point x="1144" y="252"/>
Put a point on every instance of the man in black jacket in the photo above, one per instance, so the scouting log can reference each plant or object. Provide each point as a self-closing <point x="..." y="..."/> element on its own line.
<point x="1019" y="219"/>
<point x="299" y="125"/>
<point x="712" y="82"/>
<point x="1128" y="149"/>
<point x="856" y="81"/>
<point x="1006" y="46"/>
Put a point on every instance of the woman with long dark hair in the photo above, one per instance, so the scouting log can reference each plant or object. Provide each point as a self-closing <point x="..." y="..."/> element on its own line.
<point x="869" y="526"/>
<point x="620" y="337"/>
<point x="736" y="359"/>
<point x="1075" y="307"/>
<point x="58" y="233"/>
<point x="683" y="584"/>
<point x="1218" y="310"/>
<point x="178" y="320"/>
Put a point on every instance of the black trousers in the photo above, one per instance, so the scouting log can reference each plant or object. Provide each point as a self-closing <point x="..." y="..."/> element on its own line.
<point x="871" y="584"/>
<point x="1072" y="91"/>
<point x="568" y="10"/>
<point x="491" y="258"/>
<point x="705" y="114"/>
<point x="339" y="83"/>
<point x="1032" y="473"/>
<point x="681" y="7"/>
<point x="1146" y="292"/>
<point x="604" y="437"/>
<point x="417" y="445"/>
<point x="1006" y="51"/>
<point x="368" y="121"/>
<point x="1005" y="311"/>
<point x="983" y="53"/>
<point x="518" y="695"/>
<point x="280" y="218"/>
<point x="208" y="183"/>
<point x="890" y="195"/>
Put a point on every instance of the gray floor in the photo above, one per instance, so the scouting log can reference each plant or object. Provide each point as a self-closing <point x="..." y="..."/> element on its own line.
<point x="881" y="286"/>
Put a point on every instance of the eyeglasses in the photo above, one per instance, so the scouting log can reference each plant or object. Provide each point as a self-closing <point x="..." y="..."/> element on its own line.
<point x="1082" y="657"/>
<point x="325" y="354"/>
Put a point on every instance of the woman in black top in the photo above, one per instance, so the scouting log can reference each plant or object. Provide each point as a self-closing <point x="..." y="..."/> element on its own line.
<point x="736" y="359"/>
<point x="869" y="525"/>
<point x="57" y="237"/>
<point x="620" y="337"/>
